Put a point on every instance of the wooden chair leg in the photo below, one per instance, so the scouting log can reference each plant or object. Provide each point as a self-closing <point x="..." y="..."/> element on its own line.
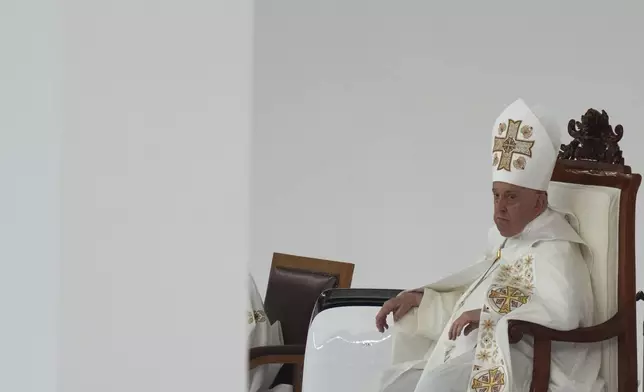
<point x="541" y="365"/>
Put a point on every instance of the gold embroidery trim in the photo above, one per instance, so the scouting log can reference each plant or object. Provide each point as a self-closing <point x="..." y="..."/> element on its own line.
<point x="257" y="316"/>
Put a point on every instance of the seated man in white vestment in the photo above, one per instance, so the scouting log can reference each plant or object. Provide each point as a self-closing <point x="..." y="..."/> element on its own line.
<point x="452" y="335"/>
<point x="262" y="333"/>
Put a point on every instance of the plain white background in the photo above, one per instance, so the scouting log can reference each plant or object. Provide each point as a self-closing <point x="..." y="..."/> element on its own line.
<point x="124" y="158"/>
<point x="30" y="134"/>
<point x="373" y="120"/>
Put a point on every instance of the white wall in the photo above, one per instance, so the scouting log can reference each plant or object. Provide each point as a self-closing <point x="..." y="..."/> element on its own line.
<point x="150" y="103"/>
<point x="373" y="118"/>
<point x="155" y="195"/>
<point x="30" y="129"/>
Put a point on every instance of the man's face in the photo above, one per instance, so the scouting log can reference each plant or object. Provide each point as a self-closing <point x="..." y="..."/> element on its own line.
<point x="515" y="207"/>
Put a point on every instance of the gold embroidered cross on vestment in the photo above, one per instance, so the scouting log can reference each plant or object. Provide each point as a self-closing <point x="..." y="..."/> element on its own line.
<point x="492" y="380"/>
<point x="507" y="298"/>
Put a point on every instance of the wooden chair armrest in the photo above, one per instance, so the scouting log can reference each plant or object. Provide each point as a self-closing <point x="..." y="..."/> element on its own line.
<point x="596" y="333"/>
<point x="289" y="353"/>
<point x="543" y="338"/>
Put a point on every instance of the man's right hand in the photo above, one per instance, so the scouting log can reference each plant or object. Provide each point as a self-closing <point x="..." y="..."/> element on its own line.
<point x="400" y="306"/>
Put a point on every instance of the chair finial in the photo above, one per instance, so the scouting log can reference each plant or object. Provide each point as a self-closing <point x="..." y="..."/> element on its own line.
<point x="593" y="139"/>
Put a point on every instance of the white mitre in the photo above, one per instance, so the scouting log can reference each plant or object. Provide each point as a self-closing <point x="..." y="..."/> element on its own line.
<point x="525" y="144"/>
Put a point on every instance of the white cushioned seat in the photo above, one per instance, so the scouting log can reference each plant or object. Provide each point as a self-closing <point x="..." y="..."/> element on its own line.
<point x="597" y="211"/>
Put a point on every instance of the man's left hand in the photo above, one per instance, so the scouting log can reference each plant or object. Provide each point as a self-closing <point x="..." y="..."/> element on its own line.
<point x="467" y="320"/>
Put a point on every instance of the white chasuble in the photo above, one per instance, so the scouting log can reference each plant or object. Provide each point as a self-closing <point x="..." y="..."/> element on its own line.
<point x="541" y="277"/>
<point x="420" y="333"/>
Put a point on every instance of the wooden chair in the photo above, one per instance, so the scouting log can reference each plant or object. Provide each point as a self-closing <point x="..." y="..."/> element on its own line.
<point x="294" y="285"/>
<point x="592" y="181"/>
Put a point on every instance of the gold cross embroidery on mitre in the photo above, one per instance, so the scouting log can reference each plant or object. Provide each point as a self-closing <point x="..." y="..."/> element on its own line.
<point x="509" y="145"/>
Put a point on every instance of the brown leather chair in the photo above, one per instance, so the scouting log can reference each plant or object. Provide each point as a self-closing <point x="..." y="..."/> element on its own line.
<point x="294" y="285"/>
